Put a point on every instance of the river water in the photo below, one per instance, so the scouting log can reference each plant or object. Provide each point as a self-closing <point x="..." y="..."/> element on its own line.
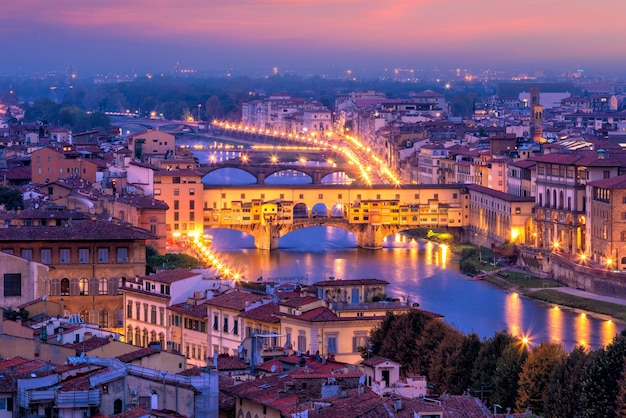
<point x="417" y="271"/>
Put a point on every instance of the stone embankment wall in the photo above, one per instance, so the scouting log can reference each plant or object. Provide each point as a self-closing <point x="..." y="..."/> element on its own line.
<point x="572" y="273"/>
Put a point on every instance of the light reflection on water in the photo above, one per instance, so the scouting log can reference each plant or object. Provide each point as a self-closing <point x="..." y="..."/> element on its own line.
<point x="415" y="271"/>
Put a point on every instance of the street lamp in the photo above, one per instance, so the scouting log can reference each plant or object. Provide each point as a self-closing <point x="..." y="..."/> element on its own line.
<point x="495" y="406"/>
<point x="199" y="106"/>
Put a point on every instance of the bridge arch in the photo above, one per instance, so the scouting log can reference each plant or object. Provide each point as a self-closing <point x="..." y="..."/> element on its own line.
<point x="250" y="178"/>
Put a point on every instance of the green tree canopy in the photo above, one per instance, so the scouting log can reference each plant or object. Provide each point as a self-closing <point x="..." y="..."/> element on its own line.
<point x="11" y="198"/>
<point x="534" y="377"/>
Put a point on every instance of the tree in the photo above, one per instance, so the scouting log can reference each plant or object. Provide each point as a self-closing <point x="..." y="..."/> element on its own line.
<point x="462" y="363"/>
<point x="441" y="370"/>
<point x="599" y="379"/>
<point x="505" y="382"/>
<point x="155" y="261"/>
<point x="535" y="375"/>
<point x="396" y="336"/>
<point x="563" y="391"/>
<point x="213" y="108"/>
<point x="11" y="199"/>
<point x="487" y="359"/>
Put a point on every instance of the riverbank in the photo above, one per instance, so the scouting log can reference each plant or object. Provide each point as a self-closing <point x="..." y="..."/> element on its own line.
<point x="551" y="292"/>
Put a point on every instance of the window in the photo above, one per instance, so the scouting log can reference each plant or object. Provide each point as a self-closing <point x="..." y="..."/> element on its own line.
<point x="359" y="341"/>
<point x="192" y="204"/>
<point x="518" y="210"/>
<point x="12" y="284"/>
<point x="161" y="315"/>
<point x="176" y="180"/>
<point x="83" y="285"/>
<point x="27" y="253"/>
<point x="46" y="255"/>
<point x="122" y="255"/>
<point x="332" y="344"/>
<point x="6" y="404"/>
<point x="192" y="192"/>
<point x="103" y="286"/>
<point x="64" y="255"/>
<point x="129" y="310"/>
<point x="320" y="196"/>
<point x="225" y="329"/>
<point x="103" y="255"/>
<point x="145" y="312"/>
<point x="83" y="255"/>
<point x="215" y="322"/>
<point x="176" y="192"/>
<point x="176" y="204"/>
<point x="235" y="326"/>
<point x="153" y="314"/>
<point x="301" y="341"/>
<point x="65" y="287"/>
<point x="138" y="310"/>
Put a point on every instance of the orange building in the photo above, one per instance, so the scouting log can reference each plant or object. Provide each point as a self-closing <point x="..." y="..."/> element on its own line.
<point x="55" y="162"/>
<point x="182" y="191"/>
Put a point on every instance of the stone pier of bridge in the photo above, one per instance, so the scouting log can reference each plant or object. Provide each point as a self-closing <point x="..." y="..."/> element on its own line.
<point x="368" y="236"/>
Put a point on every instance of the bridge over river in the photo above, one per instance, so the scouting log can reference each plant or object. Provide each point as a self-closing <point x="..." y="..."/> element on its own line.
<point x="268" y="212"/>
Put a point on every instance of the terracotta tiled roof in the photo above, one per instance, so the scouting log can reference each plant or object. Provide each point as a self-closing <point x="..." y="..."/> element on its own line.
<point x="618" y="182"/>
<point x="88" y="345"/>
<point x="500" y="195"/>
<point x="170" y="276"/>
<point x="226" y="362"/>
<point x="264" y="313"/>
<point x="297" y="300"/>
<point x="80" y="230"/>
<point x="375" y="361"/>
<point x="321" y="314"/>
<point x="134" y="413"/>
<point x="137" y="354"/>
<point x="234" y="300"/>
<point x="197" y="311"/>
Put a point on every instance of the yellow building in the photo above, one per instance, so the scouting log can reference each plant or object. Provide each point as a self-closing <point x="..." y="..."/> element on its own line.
<point x="497" y="217"/>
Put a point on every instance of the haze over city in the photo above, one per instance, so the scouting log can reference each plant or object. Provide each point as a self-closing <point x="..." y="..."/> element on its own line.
<point x="308" y="36"/>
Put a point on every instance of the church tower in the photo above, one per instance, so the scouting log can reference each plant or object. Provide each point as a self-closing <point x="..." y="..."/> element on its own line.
<point x="536" y="115"/>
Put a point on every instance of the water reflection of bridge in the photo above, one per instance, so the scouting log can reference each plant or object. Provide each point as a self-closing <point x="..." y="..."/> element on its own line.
<point x="261" y="171"/>
<point x="268" y="212"/>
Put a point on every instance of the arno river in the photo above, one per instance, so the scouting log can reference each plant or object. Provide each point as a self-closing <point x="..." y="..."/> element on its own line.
<point x="415" y="270"/>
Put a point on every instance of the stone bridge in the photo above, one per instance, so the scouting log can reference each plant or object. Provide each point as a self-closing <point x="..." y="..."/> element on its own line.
<point x="261" y="171"/>
<point x="268" y="212"/>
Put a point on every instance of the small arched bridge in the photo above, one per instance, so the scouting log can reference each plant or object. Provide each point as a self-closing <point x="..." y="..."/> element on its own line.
<point x="261" y="171"/>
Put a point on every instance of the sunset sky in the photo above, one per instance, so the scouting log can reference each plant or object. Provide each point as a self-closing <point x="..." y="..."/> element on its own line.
<point x="110" y="35"/>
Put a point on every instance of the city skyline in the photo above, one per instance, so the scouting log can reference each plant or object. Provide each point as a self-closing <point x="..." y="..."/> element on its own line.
<point x="297" y="35"/>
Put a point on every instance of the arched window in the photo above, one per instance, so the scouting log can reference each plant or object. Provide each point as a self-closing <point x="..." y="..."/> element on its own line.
<point x="113" y="286"/>
<point x="153" y="225"/>
<point x="548" y="198"/>
<point x="153" y="336"/>
<point x="55" y="287"/>
<point x="84" y="314"/>
<point x="103" y="288"/>
<point x="74" y="287"/>
<point x="554" y="198"/>
<point x="94" y="316"/>
<point x="162" y="340"/>
<point x="117" y="406"/>
<point x="137" y="337"/>
<point x="623" y="260"/>
<point x="104" y="318"/>
<point x="561" y="200"/>
<point x="93" y="286"/>
<point x="65" y="287"/>
<point x="144" y="342"/>
<point x="84" y="287"/>
<point x="129" y="335"/>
